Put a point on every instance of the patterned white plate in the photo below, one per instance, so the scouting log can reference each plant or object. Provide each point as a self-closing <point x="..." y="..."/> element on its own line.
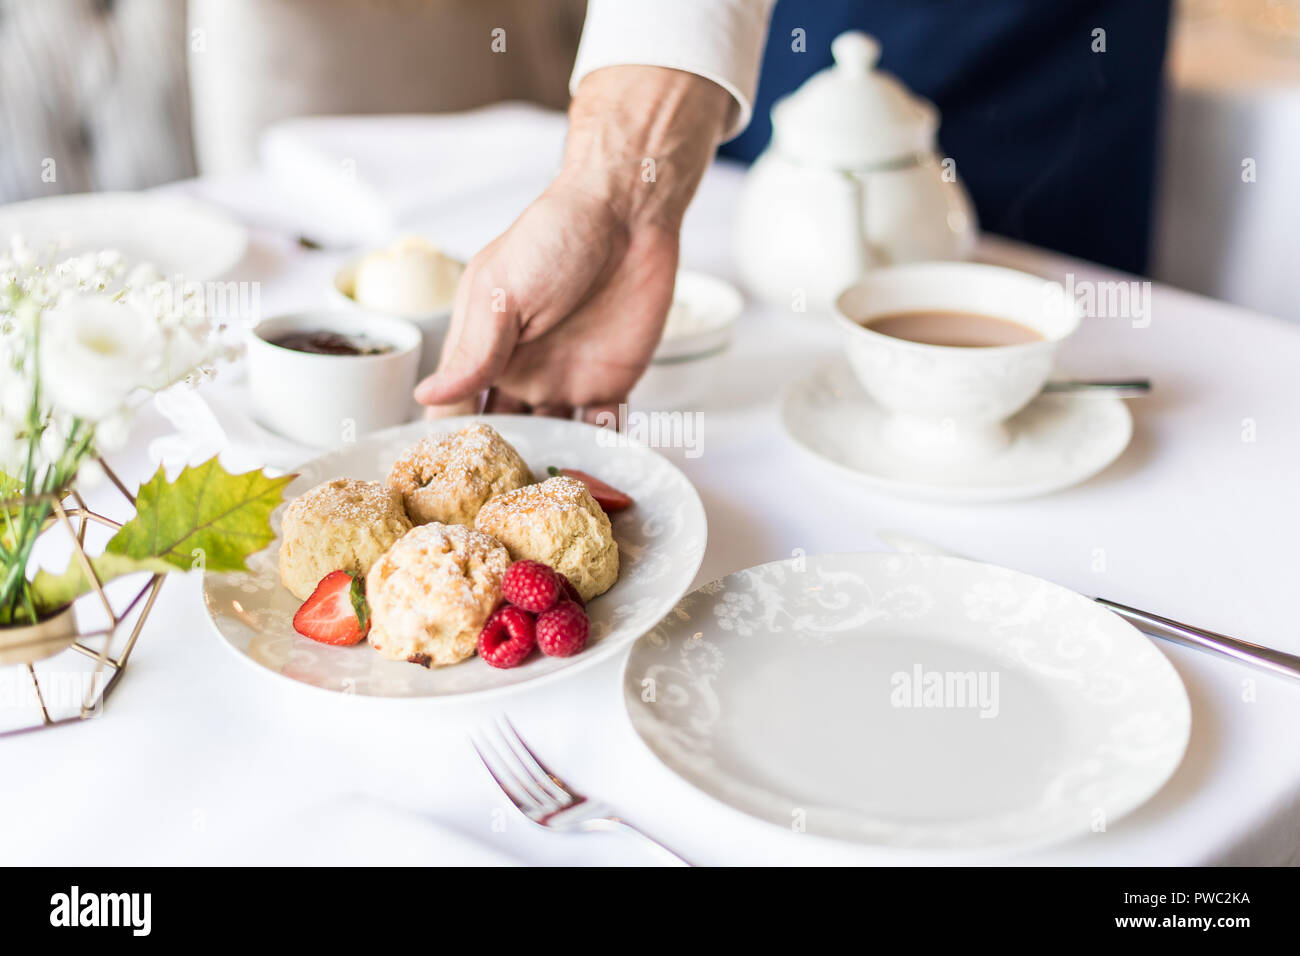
<point x="661" y="543"/>
<point x="908" y="700"/>
<point x="1058" y="441"/>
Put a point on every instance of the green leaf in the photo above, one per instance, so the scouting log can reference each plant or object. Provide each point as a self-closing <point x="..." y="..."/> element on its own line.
<point x="206" y="514"/>
<point x="54" y="591"/>
<point x="206" y="517"/>
<point x="9" y="487"/>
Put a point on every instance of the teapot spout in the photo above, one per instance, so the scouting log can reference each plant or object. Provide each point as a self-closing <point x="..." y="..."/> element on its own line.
<point x="855" y="234"/>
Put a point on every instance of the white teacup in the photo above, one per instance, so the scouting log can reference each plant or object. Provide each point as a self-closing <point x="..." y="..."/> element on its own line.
<point x="950" y="403"/>
<point x="328" y="400"/>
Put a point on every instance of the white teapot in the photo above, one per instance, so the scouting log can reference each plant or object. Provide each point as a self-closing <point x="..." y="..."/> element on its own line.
<point x="850" y="181"/>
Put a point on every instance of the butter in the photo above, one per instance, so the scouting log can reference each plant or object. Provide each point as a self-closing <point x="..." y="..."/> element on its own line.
<point x="411" y="279"/>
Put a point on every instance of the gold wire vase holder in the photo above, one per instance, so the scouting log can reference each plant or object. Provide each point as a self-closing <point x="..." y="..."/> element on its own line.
<point x="60" y="634"/>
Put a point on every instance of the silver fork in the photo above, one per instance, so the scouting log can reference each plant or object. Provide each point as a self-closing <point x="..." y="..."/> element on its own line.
<point x="543" y="797"/>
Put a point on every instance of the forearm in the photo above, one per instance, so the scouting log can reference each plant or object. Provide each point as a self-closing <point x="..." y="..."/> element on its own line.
<point x="641" y="137"/>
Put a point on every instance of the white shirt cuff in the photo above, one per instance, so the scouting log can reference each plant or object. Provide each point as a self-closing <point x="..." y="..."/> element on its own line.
<point x="720" y="40"/>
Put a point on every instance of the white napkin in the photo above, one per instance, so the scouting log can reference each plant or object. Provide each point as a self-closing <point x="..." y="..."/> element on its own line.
<point x="381" y="174"/>
<point x="212" y="421"/>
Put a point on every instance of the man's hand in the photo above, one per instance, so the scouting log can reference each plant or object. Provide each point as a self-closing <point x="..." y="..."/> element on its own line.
<point x="564" y="309"/>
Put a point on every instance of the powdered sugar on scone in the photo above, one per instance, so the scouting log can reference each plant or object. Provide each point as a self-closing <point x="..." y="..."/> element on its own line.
<point x="448" y="477"/>
<point x="558" y="523"/>
<point x="340" y="525"/>
<point x="432" y="591"/>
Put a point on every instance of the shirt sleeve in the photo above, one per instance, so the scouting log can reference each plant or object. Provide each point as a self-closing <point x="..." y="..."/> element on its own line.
<point x="720" y="40"/>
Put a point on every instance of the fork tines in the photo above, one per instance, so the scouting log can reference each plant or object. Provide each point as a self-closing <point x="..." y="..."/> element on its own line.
<point x="530" y="784"/>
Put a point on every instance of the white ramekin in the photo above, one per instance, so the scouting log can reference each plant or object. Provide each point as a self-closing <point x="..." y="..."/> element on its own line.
<point x="329" y="400"/>
<point x="684" y="367"/>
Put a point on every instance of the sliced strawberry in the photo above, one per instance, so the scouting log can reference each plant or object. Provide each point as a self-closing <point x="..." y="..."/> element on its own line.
<point x="336" y="612"/>
<point x="608" y="497"/>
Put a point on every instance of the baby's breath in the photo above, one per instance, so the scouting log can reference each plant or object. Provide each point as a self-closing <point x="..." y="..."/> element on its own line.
<point x="82" y="341"/>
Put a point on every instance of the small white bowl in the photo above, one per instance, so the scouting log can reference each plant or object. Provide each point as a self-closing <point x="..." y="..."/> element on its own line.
<point x="685" y="364"/>
<point x="432" y="325"/>
<point x="330" y="400"/>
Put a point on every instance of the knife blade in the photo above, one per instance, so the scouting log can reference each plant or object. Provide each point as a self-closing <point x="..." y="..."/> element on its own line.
<point x="1263" y="658"/>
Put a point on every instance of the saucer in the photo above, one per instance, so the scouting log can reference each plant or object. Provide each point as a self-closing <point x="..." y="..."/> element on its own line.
<point x="1056" y="441"/>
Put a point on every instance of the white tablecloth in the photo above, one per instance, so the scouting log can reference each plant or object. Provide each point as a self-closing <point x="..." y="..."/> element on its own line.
<point x="200" y="758"/>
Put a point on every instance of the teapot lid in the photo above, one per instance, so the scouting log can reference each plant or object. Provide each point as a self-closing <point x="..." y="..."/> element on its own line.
<point x="851" y="114"/>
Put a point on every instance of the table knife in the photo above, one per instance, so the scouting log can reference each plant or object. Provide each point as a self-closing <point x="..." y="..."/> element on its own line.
<point x="1212" y="642"/>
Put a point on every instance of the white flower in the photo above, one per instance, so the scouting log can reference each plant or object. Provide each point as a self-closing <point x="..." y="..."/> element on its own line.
<point x="79" y="337"/>
<point x="90" y="473"/>
<point x="15" y="398"/>
<point x="94" y="352"/>
<point x="20" y="253"/>
<point x="143" y="276"/>
<point x="112" y="432"/>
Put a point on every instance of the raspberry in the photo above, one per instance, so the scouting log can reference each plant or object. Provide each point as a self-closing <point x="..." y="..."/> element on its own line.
<point x="507" y="637"/>
<point x="562" y="631"/>
<point x="571" y="591"/>
<point x="532" y="586"/>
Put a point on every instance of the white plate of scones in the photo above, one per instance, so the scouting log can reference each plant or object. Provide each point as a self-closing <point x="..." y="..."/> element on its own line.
<point x="418" y="561"/>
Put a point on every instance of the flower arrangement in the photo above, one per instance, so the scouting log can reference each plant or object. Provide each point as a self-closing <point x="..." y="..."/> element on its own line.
<point x="82" y="343"/>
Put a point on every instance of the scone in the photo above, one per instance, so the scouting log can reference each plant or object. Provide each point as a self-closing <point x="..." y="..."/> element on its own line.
<point x="341" y="525"/>
<point x="558" y="523"/>
<point x="432" y="591"/>
<point x="448" y="477"/>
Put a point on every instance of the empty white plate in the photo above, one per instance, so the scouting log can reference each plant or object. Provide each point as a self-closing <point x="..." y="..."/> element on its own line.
<point x="660" y="539"/>
<point x="908" y="701"/>
<point x="1057" y="441"/>
<point x="177" y="235"/>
